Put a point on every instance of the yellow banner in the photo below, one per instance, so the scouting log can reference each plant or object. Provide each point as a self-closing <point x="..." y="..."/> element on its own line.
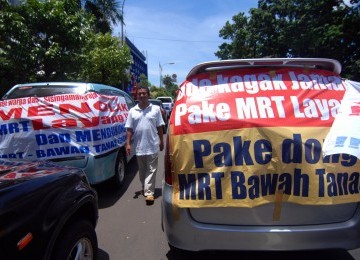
<point x="248" y="167"/>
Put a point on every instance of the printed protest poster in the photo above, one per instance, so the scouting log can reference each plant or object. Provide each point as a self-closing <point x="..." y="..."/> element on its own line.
<point x="249" y="134"/>
<point x="61" y="126"/>
<point x="344" y="135"/>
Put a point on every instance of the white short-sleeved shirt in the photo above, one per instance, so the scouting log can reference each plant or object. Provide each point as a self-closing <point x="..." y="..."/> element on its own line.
<point x="144" y="123"/>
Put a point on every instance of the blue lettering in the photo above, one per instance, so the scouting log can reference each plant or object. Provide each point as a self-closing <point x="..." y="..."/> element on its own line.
<point x="204" y="185"/>
<point x="242" y="152"/>
<point x="268" y="184"/>
<point x="223" y="158"/>
<point x="83" y="136"/>
<point x="201" y="148"/>
<point x="312" y="151"/>
<point x="263" y="150"/>
<point x="187" y="187"/>
<point x="237" y="185"/>
<point x="217" y="176"/>
<point x="254" y="191"/>
<point x="301" y="179"/>
<point x="292" y="150"/>
<point x="321" y="173"/>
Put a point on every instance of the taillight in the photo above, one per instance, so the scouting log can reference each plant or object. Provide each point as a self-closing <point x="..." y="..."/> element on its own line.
<point x="24" y="241"/>
<point x="167" y="162"/>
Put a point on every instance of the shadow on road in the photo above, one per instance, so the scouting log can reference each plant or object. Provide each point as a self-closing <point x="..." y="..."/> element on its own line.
<point x="176" y="254"/>
<point x="108" y="195"/>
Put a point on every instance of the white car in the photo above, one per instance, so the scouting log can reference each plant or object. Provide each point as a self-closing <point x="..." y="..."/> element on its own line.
<point x="244" y="162"/>
<point x="71" y="123"/>
<point x="168" y="103"/>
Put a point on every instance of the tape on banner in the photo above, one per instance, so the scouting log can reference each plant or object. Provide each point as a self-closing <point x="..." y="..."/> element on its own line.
<point x="278" y="205"/>
<point x="175" y="212"/>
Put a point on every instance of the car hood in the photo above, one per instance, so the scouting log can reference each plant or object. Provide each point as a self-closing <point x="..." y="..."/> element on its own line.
<point x="13" y="172"/>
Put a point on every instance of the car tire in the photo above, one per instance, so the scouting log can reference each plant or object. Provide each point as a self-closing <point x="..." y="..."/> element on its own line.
<point x="78" y="241"/>
<point x="120" y="170"/>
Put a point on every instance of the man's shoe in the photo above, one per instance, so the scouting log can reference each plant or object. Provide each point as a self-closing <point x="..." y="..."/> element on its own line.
<point x="150" y="198"/>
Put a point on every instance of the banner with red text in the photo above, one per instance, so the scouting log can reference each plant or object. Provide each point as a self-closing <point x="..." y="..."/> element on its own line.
<point x="61" y="126"/>
<point x="240" y="137"/>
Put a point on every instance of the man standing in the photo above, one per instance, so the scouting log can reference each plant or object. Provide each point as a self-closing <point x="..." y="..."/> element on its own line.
<point x="145" y="125"/>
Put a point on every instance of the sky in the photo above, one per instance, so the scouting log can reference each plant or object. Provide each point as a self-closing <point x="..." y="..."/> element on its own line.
<point x="182" y="32"/>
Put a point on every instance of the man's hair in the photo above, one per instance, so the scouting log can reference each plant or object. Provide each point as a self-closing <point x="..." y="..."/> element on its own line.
<point x="145" y="87"/>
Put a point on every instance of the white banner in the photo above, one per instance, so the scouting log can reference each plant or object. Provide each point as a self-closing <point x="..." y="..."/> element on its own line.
<point x="61" y="126"/>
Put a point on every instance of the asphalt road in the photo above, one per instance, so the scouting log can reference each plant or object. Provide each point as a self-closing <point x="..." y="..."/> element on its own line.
<point x="128" y="229"/>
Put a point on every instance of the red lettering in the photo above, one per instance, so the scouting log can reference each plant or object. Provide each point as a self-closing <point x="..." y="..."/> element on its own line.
<point x="38" y="124"/>
<point x="65" y="108"/>
<point x="355" y="110"/>
<point x="89" y="122"/>
<point x="102" y="106"/>
<point x="41" y="111"/>
<point x="14" y="112"/>
<point x="112" y="119"/>
<point x="68" y="122"/>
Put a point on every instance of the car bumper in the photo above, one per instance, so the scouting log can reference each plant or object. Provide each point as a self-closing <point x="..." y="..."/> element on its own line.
<point x="183" y="232"/>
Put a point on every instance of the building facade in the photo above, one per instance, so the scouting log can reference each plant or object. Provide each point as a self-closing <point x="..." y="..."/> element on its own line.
<point x="138" y="67"/>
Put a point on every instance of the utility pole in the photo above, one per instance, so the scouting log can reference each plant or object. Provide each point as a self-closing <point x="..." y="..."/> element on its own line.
<point x="122" y="22"/>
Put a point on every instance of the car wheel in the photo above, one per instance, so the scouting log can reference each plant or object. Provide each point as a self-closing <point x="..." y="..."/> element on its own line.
<point x="78" y="241"/>
<point x="120" y="167"/>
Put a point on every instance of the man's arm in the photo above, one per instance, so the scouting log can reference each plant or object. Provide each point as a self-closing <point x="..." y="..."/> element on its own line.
<point x="161" y="137"/>
<point x="129" y="134"/>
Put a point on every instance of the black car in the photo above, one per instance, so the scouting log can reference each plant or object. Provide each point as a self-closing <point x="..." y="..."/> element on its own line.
<point x="47" y="211"/>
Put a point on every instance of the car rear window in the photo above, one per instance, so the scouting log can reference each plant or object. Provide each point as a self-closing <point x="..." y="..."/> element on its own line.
<point x="43" y="91"/>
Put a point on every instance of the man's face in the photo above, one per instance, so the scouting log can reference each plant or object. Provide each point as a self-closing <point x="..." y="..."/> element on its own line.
<point x="142" y="95"/>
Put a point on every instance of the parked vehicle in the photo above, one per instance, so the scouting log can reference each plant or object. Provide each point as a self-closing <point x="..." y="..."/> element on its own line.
<point x="158" y="103"/>
<point x="168" y="103"/>
<point x="47" y="212"/>
<point x="70" y="123"/>
<point x="244" y="163"/>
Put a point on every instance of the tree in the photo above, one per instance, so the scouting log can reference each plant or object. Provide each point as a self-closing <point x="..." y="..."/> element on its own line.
<point x="144" y="81"/>
<point x="106" y="60"/>
<point x="170" y="86"/>
<point x="106" y="12"/>
<point x="159" y="92"/>
<point x="296" y="28"/>
<point x="42" y="41"/>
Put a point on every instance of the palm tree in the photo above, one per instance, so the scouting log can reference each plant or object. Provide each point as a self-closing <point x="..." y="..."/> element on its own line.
<point x="106" y="12"/>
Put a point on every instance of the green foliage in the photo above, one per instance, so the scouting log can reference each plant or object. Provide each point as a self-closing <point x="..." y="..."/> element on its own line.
<point x="161" y="92"/>
<point x="42" y="41"/>
<point x="144" y="81"/>
<point x="296" y="28"/>
<point x="55" y="40"/>
<point x="106" y="12"/>
<point x="106" y="60"/>
<point x="169" y="85"/>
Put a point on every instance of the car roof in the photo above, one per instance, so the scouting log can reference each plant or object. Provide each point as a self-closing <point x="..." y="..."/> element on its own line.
<point x="74" y="84"/>
<point x="102" y="88"/>
<point x="320" y="63"/>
